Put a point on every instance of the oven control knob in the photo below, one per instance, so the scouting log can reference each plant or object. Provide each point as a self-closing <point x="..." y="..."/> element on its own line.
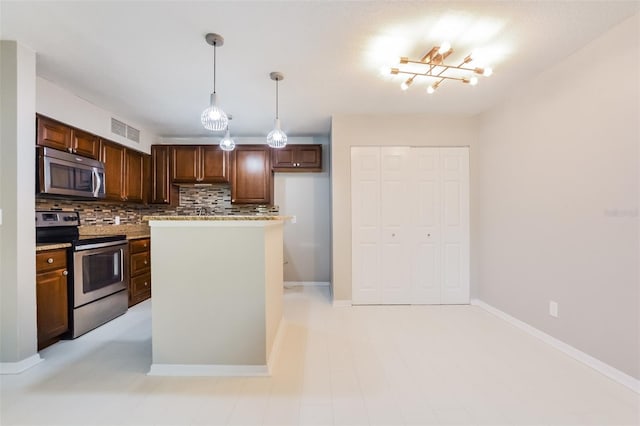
<point x="50" y="260"/>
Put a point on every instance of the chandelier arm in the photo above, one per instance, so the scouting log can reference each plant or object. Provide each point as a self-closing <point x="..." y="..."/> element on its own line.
<point x="430" y="75"/>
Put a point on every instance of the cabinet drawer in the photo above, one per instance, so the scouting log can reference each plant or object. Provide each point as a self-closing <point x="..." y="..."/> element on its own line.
<point x="140" y="262"/>
<point x="137" y="246"/>
<point x="140" y="285"/>
<point x="50" y="260"/>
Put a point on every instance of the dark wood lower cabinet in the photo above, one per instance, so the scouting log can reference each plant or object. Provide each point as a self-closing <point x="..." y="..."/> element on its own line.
<point x="51" y="296"/>
<point x="139" y="270"/>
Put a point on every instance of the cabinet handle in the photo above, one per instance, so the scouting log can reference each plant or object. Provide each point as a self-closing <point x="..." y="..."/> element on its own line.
<point x="145" y="262"/>
<point x="146" y="284"/>
<point x="70" y="149"/>
<point x="144" y="245"/>
<point x="50" y="260"/>
<point x="65" y="273"/>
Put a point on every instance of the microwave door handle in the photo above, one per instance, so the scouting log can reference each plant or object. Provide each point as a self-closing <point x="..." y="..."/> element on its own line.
<point x="97" y="182"/>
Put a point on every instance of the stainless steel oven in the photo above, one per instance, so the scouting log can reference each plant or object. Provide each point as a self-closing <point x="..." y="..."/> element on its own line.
<point x="100" y="281"/>
<point x="100" y="269"/>
<point x="64" y="174"/>
<point x="99" y="276"/>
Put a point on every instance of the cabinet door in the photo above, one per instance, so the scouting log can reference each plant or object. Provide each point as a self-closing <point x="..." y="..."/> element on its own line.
<point x="112" y="155"/>
<point x="283" y="157"/>
<point x="134" y="176"/>
<point x="161" y="188"/>
<point x="297" y="158"/>
<point x="184" y="164"/>
<point x="251" y="177"/>
<point x="85" y="144"/>
<point x="51" y="302"/>
<point x="214" y="163"/>
<point x="309" y="157"/>
<point x="53" y="134"/>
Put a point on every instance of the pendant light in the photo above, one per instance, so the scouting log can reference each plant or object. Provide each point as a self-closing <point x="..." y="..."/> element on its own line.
<point x="277" y="138"/>
<point x="227" y="143"/>
<point x="213" y="117"/>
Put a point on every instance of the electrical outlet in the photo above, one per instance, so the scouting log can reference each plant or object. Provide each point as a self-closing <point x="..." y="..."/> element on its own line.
<point x="116" y="220"/>
<point x="553" y="309"/>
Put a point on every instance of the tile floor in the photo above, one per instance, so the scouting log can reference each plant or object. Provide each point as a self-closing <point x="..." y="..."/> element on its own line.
<point x="377" y="365"/>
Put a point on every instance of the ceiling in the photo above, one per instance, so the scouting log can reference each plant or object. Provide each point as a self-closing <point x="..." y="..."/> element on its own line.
<point x="148" y="62"/>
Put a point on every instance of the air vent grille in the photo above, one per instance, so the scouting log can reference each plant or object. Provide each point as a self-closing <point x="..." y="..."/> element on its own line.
<point x="118" y="127"/>
<point x="124" y="130"/>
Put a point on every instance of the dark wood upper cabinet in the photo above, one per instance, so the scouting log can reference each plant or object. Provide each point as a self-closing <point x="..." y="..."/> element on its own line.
<point x="297" y="158"/>
<point x="112" y="155"/>
<point x="85" y="144"/>
<point x="214" y="163"/>
<point x="53" y="134"/>
<point x="162" y="191"/>
<point x="199" y="164"/>
<point x="133" y="181"/>
<point x="125" y="173"/>
<point x="251" y="176"/>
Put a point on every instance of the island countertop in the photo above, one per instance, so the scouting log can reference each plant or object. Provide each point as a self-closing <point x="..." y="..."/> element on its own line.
<point x="218" y="218"/>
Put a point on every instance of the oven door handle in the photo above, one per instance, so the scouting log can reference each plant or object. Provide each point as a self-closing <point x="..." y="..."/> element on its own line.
<point x="100" y="245"/>
<point x="96" y="182"/>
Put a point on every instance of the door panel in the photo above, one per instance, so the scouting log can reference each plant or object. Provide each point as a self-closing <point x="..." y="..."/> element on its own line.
<point x="365" y="214"/>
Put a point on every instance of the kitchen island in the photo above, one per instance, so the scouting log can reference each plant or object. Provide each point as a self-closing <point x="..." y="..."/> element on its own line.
<point x="217" y="294"/>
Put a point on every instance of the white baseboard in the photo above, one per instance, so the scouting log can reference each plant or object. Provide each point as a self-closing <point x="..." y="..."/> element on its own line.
<point x="20" y="366"/>
<point x="289" y="284"/>
<point x="208" y="370"/>
<point x="342" y="303"/>
<point x="609" y="371"/>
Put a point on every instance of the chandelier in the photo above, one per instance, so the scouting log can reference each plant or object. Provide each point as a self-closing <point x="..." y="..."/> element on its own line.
<point x="432" y="65"/>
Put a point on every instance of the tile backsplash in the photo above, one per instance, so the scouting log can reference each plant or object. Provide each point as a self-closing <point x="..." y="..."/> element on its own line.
<point x="194" y="200"/>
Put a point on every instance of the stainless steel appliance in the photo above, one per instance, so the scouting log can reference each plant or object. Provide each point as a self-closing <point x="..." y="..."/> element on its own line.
<point x="63" y="174"/>
<point x="99" y="270"/>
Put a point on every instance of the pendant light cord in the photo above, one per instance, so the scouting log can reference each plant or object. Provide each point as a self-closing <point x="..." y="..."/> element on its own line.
<point x="214" y="67"/>
<point x="277" y="80"/>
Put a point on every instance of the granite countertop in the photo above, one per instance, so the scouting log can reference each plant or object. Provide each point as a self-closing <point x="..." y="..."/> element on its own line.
<point x="132" y="231"/>
<point x="51" y="246"/>
<point x="220" y="218"/>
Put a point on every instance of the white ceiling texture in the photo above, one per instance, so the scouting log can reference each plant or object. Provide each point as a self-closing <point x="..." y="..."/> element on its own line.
<point x="148" y="61"/>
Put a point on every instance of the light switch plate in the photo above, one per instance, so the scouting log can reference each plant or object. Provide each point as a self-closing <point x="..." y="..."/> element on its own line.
<point x="553" y="309"/>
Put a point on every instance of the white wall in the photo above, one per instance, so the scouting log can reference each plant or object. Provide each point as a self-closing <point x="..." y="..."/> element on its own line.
<point x="372" y="130"/>
<point x="60" y="104"/>
<point x="17" y="189"/>
<point x="307" y="243"/>
<point x="558" y="216"/>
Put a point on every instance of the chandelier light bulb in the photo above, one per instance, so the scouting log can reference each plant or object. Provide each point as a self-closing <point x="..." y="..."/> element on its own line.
<point x="405" y="84"/>
<point x="487" y="72"/>
<point x="473" y="80"/>
<point x="431" y="90"/>
<point x="444" y="48"/>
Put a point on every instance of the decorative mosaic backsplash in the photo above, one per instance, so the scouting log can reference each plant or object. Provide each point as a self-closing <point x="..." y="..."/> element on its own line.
<point x="194" y="200"/>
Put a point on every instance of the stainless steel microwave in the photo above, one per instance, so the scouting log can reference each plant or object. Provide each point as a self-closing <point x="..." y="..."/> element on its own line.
<point x="64" y="174"/>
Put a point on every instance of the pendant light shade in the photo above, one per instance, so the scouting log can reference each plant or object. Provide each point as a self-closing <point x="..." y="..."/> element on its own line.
<point x="227" y="143"/>
<point x="277" y="138"/>
<point x="213" y="117"/>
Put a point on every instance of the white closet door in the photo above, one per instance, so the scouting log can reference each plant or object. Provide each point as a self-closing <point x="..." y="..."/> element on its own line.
<point x="426" y="270"/>
<point x="395" y="207"/>
<point x="454" y="164"/>
<point x="365" y="214"/>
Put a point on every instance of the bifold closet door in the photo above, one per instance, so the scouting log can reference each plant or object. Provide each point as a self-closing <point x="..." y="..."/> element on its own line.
<point x="440" y="254"/>
<point x="410" y="225"/>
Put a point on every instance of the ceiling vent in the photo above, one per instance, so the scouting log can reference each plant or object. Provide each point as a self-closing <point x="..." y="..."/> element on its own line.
<point x="123" y="129"/>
